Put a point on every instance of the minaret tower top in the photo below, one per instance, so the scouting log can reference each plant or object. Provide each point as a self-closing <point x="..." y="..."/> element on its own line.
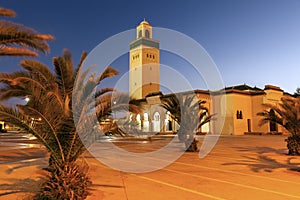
<point x="144" y="30"/>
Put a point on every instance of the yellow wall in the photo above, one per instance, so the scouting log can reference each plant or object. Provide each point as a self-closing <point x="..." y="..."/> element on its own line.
<point x="250" y="104"/>
<point x="135" y="74"/>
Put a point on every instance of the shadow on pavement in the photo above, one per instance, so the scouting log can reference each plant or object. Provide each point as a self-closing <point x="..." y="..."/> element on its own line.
<point x="261" y="150"/>
<point x="27" y="186"/>
<point x="20" y="159"/>
<point x="266" y="159"/>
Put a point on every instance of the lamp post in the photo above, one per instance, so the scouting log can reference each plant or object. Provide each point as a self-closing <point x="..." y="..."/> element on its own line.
<point x="27" y="99"/>
<point x="114" y="102"/>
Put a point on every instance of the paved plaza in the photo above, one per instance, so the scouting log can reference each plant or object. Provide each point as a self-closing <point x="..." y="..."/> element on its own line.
<point x="239" y="167"/>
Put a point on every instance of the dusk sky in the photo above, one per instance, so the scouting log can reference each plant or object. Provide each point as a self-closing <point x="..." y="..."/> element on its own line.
<point x="256" y="42"/>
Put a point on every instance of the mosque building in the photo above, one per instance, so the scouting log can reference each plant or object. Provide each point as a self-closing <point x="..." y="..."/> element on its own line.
<point x="242" y="101"/>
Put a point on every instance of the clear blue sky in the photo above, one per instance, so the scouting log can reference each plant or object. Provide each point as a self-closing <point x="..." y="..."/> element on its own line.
<point x="256" y="42"/>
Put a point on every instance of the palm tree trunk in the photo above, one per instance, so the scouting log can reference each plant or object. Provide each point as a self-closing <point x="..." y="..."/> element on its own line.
<point x="191" y="145"/>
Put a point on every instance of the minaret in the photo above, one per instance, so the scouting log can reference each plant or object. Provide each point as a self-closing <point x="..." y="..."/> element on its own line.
<point x="144" y="63"/>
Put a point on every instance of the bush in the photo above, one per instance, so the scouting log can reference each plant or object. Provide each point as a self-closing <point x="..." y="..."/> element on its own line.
<point x="65" y="183"/>
<point x="191" y="145"/>
<point x="293" y="144"/>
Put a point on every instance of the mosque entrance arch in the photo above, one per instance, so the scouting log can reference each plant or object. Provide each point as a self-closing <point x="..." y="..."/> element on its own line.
<point x="156" y="122"/>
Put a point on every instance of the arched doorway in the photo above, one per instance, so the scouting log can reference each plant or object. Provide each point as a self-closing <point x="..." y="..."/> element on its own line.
<point x="138" y="121"/>
<point x="146" y="123"/>
<point x="273" y="125"/>
<point x="205" y="127"/>
<point x="168" y="122"/>
<point x="156" y="122"/>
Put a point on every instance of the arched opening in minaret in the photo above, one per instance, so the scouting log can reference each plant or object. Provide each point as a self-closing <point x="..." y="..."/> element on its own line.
<point x="147" y="34"/>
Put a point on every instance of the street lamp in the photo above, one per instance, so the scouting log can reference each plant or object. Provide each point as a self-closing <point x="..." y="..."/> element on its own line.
<point x="26" y="99"/>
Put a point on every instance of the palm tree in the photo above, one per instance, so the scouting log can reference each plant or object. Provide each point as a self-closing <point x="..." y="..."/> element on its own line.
<point x="62" y="106"/>
<point x="287" y="115"/>
<point x="19" y="40"/>
<point x="297" y="93"/>
<point x="190" y="113"/>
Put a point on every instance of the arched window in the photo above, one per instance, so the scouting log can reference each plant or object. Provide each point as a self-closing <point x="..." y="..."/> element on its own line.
<point x="140" y="33"/>
<point x="273" y="125"/>
<point x="138" y="118"/>
<point x="146" y="123"/>
<point x="147" y="34"/>
<point x="156" y="116"/>
<point x="145" y="116"/>
<point x="156" y="122"/>
<point x="241" y="115"/>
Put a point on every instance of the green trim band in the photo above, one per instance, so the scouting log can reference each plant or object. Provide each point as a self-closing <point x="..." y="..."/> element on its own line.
<point x="142" y="41"/>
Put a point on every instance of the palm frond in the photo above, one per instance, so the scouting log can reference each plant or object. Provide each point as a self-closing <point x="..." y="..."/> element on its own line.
<point x="107" y="73"/>
<point x="45" y="108"/>
<point x="15" y="51"/>
<point x="103" y="91"/>
<point x="172" y="104"/>
<point x="14" y="117"/>
<point x="82" y="58"/>
<point x="17" y="34"/>
<point x="7" y="12"/>
<point x="39" y="68"/>
<point x="64" y="69"/>
<point x="6" y="94"/>
<point x="16" y="82"/>
<point x="103" y="106"/>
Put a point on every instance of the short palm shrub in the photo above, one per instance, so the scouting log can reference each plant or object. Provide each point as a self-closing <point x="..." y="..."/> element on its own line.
<point x="287" y="115"/>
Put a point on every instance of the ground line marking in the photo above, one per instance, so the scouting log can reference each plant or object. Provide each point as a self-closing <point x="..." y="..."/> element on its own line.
<point x="236" y="184"/>
<point x="239" y="173"/>
<point x="177" y="187"/>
